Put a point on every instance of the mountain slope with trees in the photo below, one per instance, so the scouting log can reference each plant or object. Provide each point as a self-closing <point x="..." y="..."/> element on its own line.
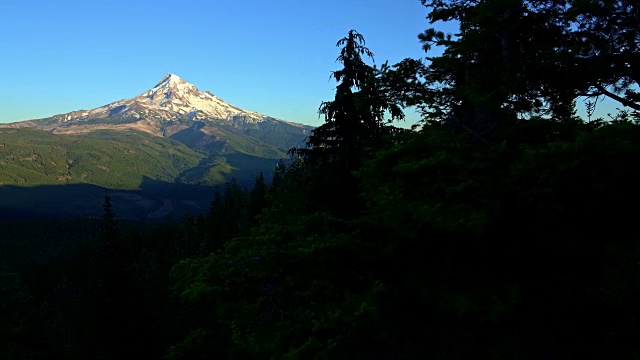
<point x="172" y="133"/>
<point x="501" y="229"/>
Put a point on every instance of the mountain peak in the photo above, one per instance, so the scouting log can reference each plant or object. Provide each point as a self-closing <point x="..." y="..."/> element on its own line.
<point x="173" y="106"/>
<point x="175" y="98"/>
<point x="170" y="79"/>
<point x="171" y="90"/>
<point x="171" y="99"/>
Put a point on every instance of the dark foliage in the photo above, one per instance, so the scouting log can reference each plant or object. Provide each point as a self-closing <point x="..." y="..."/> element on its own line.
<point x="508" y="236"/>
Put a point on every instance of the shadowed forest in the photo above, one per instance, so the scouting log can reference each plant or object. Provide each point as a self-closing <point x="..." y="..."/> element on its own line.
<point x="503" y="226"/>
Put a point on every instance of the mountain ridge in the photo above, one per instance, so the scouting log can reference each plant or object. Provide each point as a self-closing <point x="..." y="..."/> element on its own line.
<point x="172" y="100"/>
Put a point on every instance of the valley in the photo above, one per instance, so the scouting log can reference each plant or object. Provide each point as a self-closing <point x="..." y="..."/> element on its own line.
<point x="171" y="139"/>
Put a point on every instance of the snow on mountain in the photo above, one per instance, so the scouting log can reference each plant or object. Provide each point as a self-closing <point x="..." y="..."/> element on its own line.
<point x="226" y="136"/>
<point x="177" y="95"/>
<point x="177" y="109"/>
<point x="172" y="98"/>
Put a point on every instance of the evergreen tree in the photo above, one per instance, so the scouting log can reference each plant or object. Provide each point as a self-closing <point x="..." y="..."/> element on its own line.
<point x="507" y="61"/>
<point x="354" y="129"/>
<point x="235" y="201"/>
<point x="108" y="219"/>
<point x="229" y="212"/>
<point x="188" y="245"/>
<point x="354" y="120"/>
<point x="606" y="57"/>
<point x="257" y="199"/>
<point x="16" y="316"/>
<point x="109" y="289"/>
<point x="517" y="59"/>
<point x="278" y="175"/>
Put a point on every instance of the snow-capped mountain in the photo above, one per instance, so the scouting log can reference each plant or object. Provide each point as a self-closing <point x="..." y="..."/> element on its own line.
<point x="172" y="98"/>
<point x="160" y="143"/>
<point x="171" y="105"/>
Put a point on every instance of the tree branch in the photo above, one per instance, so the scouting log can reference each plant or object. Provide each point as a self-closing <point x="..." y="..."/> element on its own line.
<point x="620" y="99"/>
<point x="592" y="94"/>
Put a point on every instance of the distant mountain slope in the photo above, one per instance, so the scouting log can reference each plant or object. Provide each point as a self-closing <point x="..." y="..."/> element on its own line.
<point x="121" y="159"/>
<point x="171" y="106"/>
<point x="172" y="132"/>
<point x="116" y="160"/>
<point x="154" y="151"/>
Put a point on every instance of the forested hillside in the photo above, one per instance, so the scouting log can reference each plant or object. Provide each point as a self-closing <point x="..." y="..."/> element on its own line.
<point x="116" y="160"/>
<point x="122" y="159"/>
<point x="502" y="228"/>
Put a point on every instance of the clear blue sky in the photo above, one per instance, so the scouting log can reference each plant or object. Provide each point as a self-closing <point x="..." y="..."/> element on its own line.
<point x="273" y="57"/>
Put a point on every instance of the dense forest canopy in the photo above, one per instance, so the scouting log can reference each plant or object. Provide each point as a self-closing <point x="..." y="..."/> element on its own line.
<point x="502" y="228"/>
